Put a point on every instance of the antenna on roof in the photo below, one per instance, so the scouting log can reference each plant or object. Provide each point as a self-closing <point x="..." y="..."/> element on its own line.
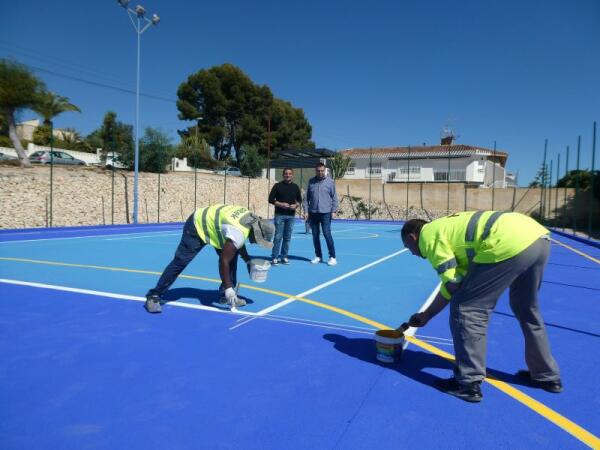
<point x="447" y="134"/>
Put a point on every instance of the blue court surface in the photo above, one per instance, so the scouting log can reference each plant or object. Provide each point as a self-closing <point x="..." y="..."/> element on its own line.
<point x="84" y="366"/>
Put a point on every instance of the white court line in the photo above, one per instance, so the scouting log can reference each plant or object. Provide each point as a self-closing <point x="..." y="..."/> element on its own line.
<point x="289" y="300"/>
<point x="305" y="322"/>
<point x="76" y="237"/>
<point x="173" y="233"/>
<point x="412" y="330"/>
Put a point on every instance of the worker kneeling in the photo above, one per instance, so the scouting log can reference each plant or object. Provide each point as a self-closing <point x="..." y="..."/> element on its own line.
<point x="477" y="256"/>
<point x="226" y="228"/>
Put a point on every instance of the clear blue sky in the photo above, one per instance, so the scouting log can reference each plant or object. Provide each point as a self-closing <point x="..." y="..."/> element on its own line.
<point x="366" y="73"/>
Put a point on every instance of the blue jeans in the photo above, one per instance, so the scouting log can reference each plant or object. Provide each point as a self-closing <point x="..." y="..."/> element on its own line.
<point x="323" y="219"/>
<point x="283" y="232"/>
<point x="189" y="246"/>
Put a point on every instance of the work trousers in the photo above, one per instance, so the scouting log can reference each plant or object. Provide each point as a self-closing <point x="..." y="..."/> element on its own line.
<point x="189" y="246"/>
<point x="473" y="303"/>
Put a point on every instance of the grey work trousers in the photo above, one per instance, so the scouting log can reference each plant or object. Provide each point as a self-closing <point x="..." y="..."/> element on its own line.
<point x="472" y="305"/>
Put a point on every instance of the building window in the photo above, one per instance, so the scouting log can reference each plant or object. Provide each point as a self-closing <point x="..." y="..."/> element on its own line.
<point x="374" y="170"/>
<point x="414" y="170"/>
<point x="350" y="169"/>
<point x="455" y="175"/>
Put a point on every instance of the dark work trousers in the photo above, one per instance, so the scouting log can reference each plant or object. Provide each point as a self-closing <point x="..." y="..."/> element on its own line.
<point x="188" y="248"/>
<point x="471" y="306"/>
<point x="324" y="221"/>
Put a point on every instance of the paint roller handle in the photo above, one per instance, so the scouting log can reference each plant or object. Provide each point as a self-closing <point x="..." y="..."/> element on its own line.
<point x="402" y="328"/>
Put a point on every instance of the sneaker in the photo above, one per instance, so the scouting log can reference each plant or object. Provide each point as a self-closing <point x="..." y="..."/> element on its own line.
<point x="554" y="386"/>
<point x="239" y="301"/>
<point x="285" y="260"/>
<point x="152" y="304"/>
<point x="332" y="262"/>
<point x="470" y="392"/>
<point x="315" y="260"/>
<point x="274" y="262"/>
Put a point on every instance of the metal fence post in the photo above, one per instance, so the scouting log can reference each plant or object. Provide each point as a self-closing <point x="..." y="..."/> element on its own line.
<point x="591" y="213"/>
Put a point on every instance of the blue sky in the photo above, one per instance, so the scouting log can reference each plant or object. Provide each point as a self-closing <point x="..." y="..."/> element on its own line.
<point x="376" y="73"/>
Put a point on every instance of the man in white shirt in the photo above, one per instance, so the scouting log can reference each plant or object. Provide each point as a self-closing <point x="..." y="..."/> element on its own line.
<point x="226" y="228"/>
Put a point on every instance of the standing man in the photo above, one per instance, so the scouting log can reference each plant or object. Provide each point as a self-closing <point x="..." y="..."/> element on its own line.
<point x="225" y="228"/>
<point x="286" y="197"/>
<point x="477" y="256"/>
<point x="319" y="204"/>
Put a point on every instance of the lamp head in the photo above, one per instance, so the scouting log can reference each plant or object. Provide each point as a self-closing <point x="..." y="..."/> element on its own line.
<point x="155" y="19"/>
<point x="140" y="10"/>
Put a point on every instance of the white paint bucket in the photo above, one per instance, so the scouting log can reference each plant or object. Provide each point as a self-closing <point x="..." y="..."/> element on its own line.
<point x="259" y="268"/>
<point x="389" y="345"/>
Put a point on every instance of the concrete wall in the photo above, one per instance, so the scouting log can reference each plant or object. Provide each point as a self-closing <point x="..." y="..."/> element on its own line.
<point x="82" y="195"/>
<point x="434" y="196"/>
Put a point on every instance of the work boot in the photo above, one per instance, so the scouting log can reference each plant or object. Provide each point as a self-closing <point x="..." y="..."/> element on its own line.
<point x="469" y="392"/>
<point x="554" y="386"/>
<point x="152" y="304"/>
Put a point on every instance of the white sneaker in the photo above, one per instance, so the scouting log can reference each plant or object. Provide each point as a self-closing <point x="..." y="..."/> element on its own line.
<point x="274" y="262"/>
<point x="285" y="260"/>
<point x="331" y="262"/>
<point x="315" y="260"/>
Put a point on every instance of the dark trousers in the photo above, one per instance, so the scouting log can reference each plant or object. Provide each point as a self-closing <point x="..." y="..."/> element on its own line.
<point x="189" y="246"/>
<point x="324" y="221"/>
<point x="472" y="305"/>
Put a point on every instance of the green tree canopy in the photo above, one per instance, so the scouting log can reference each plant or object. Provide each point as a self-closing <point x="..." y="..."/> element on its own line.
<point x="19" y="89"/>
<point x="289" y="128"/>
<point x="581" y="179"/>
<point x="339" y="164"/>
<point x="197" y="152"/>
<point x="155" y="151"/>
<point x="49" y="105"/>
<point x="232" y="112"/>
<point x="252" y="163"/>
<point x="116" y="136"/>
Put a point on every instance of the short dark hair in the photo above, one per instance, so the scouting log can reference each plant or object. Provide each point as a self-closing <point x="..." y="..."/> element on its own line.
<point x="320" y="165"/>
<point x="287" y="168"/>
<point x="413" y="226"/>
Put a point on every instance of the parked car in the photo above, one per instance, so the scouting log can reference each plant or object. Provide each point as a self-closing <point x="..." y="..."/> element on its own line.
<point x="231" y="171"/>
<point x="114" y="162"/>
<point x="43" y="157"/>
<point x="5" y="157"/>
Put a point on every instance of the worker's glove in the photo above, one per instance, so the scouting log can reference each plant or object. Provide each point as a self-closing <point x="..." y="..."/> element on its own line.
<point x="231" y="296"/>
<point x="418" y="320"/>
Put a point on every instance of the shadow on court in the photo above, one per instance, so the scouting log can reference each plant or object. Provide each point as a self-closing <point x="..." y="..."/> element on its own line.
<point x="412" y="363"/>
<point x="204" y="296"/>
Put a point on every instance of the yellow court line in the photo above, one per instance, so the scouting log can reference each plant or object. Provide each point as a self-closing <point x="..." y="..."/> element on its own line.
<point x="561" y="421"/>
<point x="585" y="255"/>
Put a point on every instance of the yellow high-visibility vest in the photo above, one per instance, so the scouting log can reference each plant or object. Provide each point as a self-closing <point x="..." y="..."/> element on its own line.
<point x="451" y="243"/>
<point x="208" y="223"/>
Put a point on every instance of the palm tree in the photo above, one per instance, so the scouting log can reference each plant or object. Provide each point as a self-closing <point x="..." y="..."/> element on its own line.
<point x="19" y="89"/>
<point x="49" y="105"/>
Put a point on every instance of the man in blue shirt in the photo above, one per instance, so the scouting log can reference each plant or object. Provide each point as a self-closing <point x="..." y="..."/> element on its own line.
<point x="319" y="204"/>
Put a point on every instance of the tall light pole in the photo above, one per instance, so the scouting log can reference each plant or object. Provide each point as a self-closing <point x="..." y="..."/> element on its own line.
<point x="140" y="24"/>
<point x="197" y="119"/>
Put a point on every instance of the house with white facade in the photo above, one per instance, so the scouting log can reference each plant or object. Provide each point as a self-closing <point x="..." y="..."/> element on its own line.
<point x="447" y="162"/>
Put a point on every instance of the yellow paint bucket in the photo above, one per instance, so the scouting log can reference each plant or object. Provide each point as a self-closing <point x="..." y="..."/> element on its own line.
<point x="388" y="344"/>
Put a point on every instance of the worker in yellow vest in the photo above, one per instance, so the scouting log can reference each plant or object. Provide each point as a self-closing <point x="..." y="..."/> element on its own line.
<point x="478" y="255"/>
<point x="226" y="228"/>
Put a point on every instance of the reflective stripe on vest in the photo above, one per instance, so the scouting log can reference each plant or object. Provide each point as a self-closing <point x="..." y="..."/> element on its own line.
<point x="450" y="264"/>
<point x="472" y="228"/>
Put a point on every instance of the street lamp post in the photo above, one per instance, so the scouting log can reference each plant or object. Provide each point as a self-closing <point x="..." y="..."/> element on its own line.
<point x="140" y="24"/>
<point x="197" y="119"/>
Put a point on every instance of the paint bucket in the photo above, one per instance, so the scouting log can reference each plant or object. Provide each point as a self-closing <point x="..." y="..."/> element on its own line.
<point x="389" y="345"/>
<point x="259" y="268"/>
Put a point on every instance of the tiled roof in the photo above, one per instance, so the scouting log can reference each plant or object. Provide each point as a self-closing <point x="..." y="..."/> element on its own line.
<point x="430" y="151"/>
